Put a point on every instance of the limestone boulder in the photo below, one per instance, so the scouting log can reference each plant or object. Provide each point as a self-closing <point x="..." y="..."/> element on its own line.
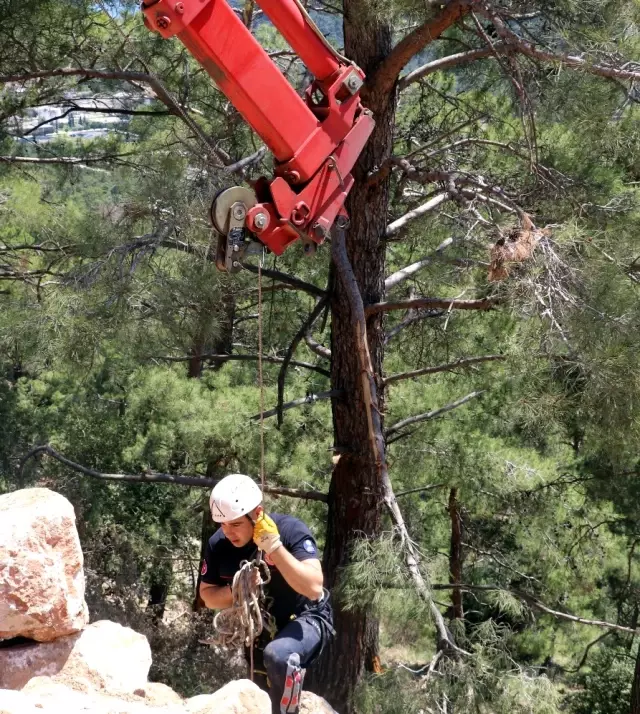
<point x="49" y="695"/>
<point x="239" y="697"/>
<point x="311" y="703"/>
<point x="105" y="656"/>
<point x="41" y="567"/>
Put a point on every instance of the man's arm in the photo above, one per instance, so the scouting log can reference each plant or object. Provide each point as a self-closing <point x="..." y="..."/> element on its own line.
<point x="304" y="576"/>
<point x="216" y="597"/>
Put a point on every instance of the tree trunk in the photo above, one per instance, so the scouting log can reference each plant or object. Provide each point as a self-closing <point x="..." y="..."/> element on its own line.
<point x="224" y="312"/>
<point x="355" y="494"/>
<point x="161" y="580"/>
<point x="635" y="690"/>
<point x="455" y="553"/>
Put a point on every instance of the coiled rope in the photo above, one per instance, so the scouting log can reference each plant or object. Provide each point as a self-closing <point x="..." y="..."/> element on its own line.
<point x="240" y="624"/>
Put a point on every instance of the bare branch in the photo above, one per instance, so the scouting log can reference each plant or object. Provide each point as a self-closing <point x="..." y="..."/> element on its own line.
<point x="421" y="489"/>
<point x="306" y="326"/>
<point x="537" y="605"/>
<point x="445" y="63"/>
<point x="514" y="42"/>
<point x="317" y="348"/>
<point x="309" y="399"/>
<point x="450" y="367"/>
<point x="412" y="319"/>
<point x="155" y="477"/>
<point x="432" y="414"/>
<point x="286" y="278"/>
<point x="433" y="303"/>
<point x="247" y="161"/>
<point x="62" y="159"/>
<point x="397" y="225"/>
<point x="152" y="81"/>
<point x="401" y="275"/>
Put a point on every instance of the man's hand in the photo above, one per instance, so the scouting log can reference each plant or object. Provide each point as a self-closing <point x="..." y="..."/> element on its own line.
<point x="265" y="534"/>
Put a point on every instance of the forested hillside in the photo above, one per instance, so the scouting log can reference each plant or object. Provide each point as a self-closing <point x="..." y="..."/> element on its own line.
<point x="494" y="242"/>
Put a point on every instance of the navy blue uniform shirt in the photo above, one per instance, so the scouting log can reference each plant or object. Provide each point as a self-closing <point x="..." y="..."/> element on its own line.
<point x="222" y="561"/>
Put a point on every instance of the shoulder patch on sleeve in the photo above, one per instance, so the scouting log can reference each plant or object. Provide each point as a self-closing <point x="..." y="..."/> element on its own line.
<point x="309" y="546"/>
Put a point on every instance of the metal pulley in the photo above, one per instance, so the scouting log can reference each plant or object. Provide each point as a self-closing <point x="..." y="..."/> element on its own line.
<point x="228" y="215"/>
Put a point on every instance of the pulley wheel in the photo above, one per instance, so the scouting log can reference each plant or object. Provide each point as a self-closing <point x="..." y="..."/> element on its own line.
<point x="222" y="203"/>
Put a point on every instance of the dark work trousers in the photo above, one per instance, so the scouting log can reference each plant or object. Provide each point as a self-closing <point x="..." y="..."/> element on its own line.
<point x="304" y="636"/>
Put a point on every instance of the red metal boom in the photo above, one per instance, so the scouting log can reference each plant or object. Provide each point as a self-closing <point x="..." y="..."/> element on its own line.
<point x="315" y="140"/>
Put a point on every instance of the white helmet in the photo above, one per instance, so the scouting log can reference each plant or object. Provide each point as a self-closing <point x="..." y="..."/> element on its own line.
<point x="234" y="496"/>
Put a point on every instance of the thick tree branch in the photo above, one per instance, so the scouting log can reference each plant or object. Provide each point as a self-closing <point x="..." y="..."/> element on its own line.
<point x="316" y="347"/>
<point x="155" y="477"/>
<point x="306" y="326"/>
<point x="309" y="399"/>
<point x="446" y="63"/>
<point x="247" y="161"/>
<point x="449" y="367"/>
<point x="247" y="358"/>
<point x="385" y="77"/>
<point x="433" y="303"/>
<point x="537" y="605"/>
<point x="418" y="418"/>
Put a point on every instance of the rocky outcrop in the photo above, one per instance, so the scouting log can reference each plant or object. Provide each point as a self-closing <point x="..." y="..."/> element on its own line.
<point x="49" y="695"/>
<point x="106" y="655"/>
<point x="101" y="669"/>
<point x="41" y="574"/>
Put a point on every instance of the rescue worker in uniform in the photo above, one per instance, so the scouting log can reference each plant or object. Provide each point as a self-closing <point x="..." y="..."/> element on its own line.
<point x="295" y="595"/>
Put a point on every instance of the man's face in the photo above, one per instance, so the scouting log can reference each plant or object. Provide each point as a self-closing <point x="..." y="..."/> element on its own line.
<point x="240" y="531"/>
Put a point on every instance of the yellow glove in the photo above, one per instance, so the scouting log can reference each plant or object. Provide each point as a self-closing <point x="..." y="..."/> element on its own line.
<point x="265" y="534"/>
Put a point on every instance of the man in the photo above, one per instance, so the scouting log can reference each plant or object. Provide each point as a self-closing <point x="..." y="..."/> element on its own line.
<point x="295" y="595"/>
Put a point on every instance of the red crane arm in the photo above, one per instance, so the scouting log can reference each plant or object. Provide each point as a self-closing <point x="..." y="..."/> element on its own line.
<point x="315" y="139"/>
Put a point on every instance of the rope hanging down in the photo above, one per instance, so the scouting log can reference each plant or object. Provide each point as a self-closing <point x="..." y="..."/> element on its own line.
<point x="240" y="624"/>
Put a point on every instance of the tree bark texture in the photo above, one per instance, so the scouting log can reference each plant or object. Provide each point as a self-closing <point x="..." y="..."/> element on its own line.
<point x="223" y="314"/>
<point x="455" y="553"/>
<point x="356" y="494"/>
<point x="635" y="690"/>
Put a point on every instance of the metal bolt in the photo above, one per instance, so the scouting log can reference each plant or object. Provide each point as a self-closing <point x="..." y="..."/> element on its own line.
<point x="260" y="221"/>
<point x="318" y="231"/>
<point x="163" y="22"/>
<point x="292" y="176"/>
<point x="353" y="82"/>
<point x="236" y="248"/>
<point x="179" y="8"/>
<point x="239" y="212"/>
<point x="235" y="264"/>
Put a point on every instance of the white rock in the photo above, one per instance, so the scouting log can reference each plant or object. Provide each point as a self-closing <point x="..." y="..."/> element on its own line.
<point x="239" y="697"/>
<point x="105" y="656"/>
<point x="41" y="575"/>
<point x="311" y="703"/>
